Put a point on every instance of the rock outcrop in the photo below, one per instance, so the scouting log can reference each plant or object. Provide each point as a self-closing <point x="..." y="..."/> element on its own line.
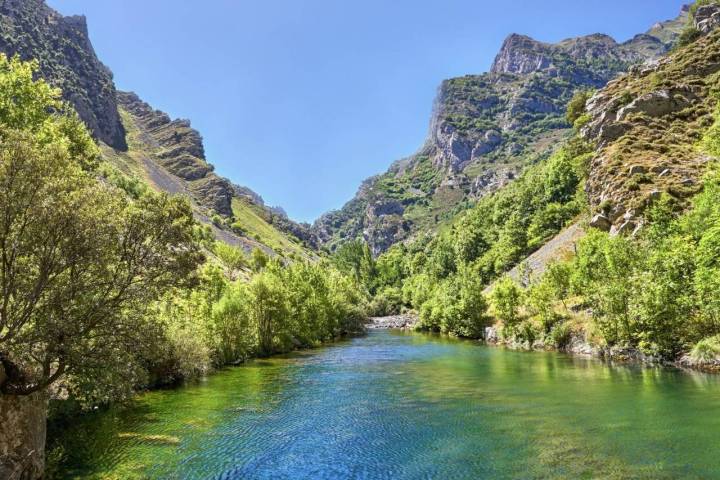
<point x="646" y="126"/>
<point x="707" y="18"/>
<point x="61" y="45"/>
<point x="179" y="149"/>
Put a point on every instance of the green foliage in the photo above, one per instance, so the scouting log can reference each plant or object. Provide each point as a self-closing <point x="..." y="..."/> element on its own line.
<point x="82" y="260"/>
<point x="576" y="106"/>
<point x="355" y="259"/>
<point x="506" y="301"/>
<point x="561" y="335"/>
<point x="456" y="307"/>
<point x="258" y="259"/>
<point x="233" y="257"/>
<point x="388" y="301"/>
<point x="706" y="350"/>
<point x="710" y="142"/>
<point x="656" y="292"/>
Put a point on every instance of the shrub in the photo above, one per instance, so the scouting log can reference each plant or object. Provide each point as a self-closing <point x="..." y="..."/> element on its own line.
<point x="706" y="350"/>
<point x="506" y="300"/>
<point x="561" y="334"/>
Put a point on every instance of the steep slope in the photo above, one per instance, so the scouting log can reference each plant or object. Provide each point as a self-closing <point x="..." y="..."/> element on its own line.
<point x="170" y="155"/>
<point x="647" y="125"/>
<point x="166" y="153"/>
<point x="61" y="45"/>
<point x="484" y="130"/>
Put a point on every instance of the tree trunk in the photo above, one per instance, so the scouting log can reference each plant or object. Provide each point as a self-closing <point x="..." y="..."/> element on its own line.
<point x="22" y="435"/>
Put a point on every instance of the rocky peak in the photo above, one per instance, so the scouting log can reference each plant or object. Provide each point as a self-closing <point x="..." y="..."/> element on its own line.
<point x="61" y="45"/>
<point x="521" y="54"/>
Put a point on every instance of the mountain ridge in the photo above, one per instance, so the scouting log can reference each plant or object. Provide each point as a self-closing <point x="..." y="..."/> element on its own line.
<point x="484" y="129"/>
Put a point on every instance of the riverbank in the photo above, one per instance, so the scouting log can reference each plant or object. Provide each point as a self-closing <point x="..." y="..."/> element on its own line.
<point x="579" y="346"/>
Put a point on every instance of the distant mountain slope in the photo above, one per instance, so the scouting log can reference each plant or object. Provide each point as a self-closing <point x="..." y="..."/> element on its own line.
<point x="172" y="156"/>
<point x="168" y="154"/>
<point x="484" y="130"/>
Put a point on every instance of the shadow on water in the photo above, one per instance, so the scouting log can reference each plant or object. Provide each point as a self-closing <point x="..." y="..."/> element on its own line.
<point x="402" y="405"/>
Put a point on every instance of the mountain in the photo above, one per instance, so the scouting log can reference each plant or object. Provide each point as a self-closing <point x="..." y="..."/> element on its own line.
<point x="144" y="143"/>
<point x="484" y="130"/>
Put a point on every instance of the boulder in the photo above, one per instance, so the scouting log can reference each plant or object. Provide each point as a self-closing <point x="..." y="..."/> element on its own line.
<point x="656" y="104"/>
<point x="601" y="222"/>
<point x="637" y="169"/>
<point x="707" y="18"/>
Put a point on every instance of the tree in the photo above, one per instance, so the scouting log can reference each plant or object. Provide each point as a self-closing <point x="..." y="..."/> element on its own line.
<point x="576" y="106"/>
<point x="80" y="262"/>
<point x="258" y="259"/>
<point x="354" y="258"/>
<point x="506" y="299"/>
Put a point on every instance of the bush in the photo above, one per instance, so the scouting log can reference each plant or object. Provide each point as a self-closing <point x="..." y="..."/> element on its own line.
<point x="456" y="307"/>
<point x="561" y="334"/>
<point x="388" y="301"/>
<point x="706" y="350"/>
<point x="233" y="257"/>
<point x="576" y="106"/>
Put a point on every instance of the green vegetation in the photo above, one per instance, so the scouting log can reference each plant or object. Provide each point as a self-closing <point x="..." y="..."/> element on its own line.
<point x="690" y="33"/>
<point x="656" y="292"/>
<point x="442" y="277"/>
<point x="106" y="285"/>
<point x="253" y="221"/>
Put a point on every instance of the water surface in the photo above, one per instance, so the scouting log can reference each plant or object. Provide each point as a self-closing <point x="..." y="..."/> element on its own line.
<point x="408" y="406"/>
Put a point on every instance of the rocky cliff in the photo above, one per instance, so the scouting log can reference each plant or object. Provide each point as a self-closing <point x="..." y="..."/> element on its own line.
<point x="177" y="149"/>
<point x="484" y="129"/>
<point x="61" y="45"/>
<point x="647" y="125"/>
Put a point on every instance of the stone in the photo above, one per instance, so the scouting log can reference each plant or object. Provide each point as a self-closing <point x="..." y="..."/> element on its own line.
<point x="637" y="169"/>
<point x="601" y="222"/>
<point x="707" y="18"/>
<point x="656" y="104"/>
<point x="625" y="228"/>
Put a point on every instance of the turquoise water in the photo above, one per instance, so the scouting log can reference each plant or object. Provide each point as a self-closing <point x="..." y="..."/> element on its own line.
<point x="408" y="406"/>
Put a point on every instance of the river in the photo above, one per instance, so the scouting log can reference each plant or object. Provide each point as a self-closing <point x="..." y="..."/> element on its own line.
<point x="395" y="405"/>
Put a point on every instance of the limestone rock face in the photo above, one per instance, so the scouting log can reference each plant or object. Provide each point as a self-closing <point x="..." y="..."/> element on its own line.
<point x="707" y="18"/>
<point x="61" y="45"/>
<point x="521" y="54"/>
<point x="179" y="149"/>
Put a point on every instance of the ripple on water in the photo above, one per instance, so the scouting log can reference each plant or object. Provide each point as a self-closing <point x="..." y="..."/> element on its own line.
<point x="405" y="406"/>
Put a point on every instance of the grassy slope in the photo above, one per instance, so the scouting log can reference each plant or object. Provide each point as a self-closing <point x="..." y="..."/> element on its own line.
<point x="138" y="163"/>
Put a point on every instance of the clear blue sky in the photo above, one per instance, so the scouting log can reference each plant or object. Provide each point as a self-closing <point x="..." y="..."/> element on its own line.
<point x="302" y="99"/>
